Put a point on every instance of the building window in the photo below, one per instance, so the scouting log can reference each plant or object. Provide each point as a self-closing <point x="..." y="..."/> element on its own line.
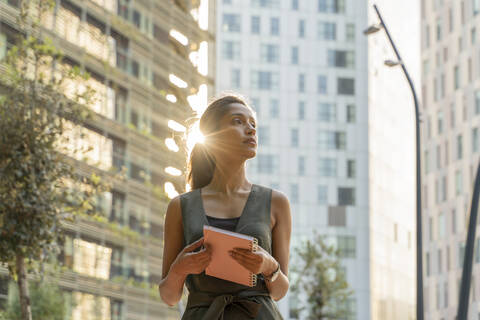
<point x="346" y="246"/>
<point x="294" y="137"/>
<point x="264" y="135"/>
<point x="265" y="3"/>
<point x="475" y="140"/>
<point x="274" y="26"/>
<point x="440" y="122"/>
<point x="269" y="53"/>
<point x="459" y="147"/>
<point x="301" y="165"/>
<point x="331" y="6"/>
<point x="454" y="221"/>
<point x="301" y="82"/>
<point x="439" y="29"/>
<point x="255" y="25"/>
<point x="231" y="22"/>
<point x="346" y="86"/>
<point x="231" y="50"/>
<point x="322" y="194"/>
<point x="350" y="32"/>
<point x="331" y="140"/>
<point x="346" y="196"/>
<point x="301" y="110"/>
<point x="264" y="80"/>
<point x="294" y="55"/>
<point x="341" y="59"/>
<point x="322" y="84"/>
<point x="477" y="101"/>
<point x="267" y="163"/>
<point x="3" y="46"/>
<point x="327" y="112"/>
<point x="337" y="216"/>
<point x="476" y="7"/>
<point x="351" y="169"/>
<point x="456" y="72"/>
<point x="327" y="31"/>
<point x="294" y="4"/>
<point x="351" y="114"/>
<point x="274" y="109"/>
<point x="301" y="28"/>
<point x="294" y="194"/>
<point x="458" y="182"/>
<point x="327" y="167"/>
<point x="236" y="78"/>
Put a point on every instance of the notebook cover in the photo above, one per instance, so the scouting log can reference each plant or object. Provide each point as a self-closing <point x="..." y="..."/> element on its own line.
<point x="222" y="265"/>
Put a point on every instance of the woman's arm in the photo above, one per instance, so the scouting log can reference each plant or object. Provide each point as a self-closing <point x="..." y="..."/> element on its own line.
<point x="262" y="261"/>
<point x="178" y="262"/>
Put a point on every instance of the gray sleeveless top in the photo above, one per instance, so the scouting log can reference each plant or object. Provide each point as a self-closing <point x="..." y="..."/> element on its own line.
<point x="254" y="221"/>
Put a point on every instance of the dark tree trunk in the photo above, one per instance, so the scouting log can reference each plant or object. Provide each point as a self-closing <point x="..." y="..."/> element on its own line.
<point x="23" y="288"/>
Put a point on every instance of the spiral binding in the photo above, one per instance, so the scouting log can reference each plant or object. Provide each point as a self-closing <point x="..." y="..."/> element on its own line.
<point x="253" y="248"/>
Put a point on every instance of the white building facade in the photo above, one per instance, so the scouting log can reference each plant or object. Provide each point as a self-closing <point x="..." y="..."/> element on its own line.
<point x="304" y="67"/>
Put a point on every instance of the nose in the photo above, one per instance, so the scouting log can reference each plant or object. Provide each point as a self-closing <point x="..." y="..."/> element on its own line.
<point x="251" y="130"/>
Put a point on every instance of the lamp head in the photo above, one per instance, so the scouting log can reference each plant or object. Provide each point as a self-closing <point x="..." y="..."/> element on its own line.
<point x="392" y="63"/>
<point x="372" y="29"/>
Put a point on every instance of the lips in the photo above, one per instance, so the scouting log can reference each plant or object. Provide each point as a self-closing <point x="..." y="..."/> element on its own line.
<point x="250" y="141"/>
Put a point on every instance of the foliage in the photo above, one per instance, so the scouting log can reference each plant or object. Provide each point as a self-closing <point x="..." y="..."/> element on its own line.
<point x="319" y="276"/>
<point x="46" y="298"/>
<point x="42" y="98"/>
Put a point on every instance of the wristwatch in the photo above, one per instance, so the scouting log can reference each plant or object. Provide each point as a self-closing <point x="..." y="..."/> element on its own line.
<point x="274" y="275"/>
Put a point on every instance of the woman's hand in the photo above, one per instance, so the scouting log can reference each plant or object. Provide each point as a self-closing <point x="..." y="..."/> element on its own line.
<point x="189" y="262"/>
<point x="256" y="262"/>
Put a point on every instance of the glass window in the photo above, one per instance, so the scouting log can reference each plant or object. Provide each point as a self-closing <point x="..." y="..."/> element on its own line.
<point x="346" y="246"/>
<point x="327" y="112"/>
<point x="346" y="86"/>
<point x="350" y="32"/>
<point x="327" y="167"/>
<point x="331" y="140"/>
<point x="274" y="26"/>
<point x="236" y="78"/>
<point x="459" y="147"/>
<point x="294" y="4"/>
<point x="264" y="135"/>
<point x="301" y="28"/>
<point x="331" y="6"/>
<point x="439" y="29"/>
<point x="476" y="7"/>
<point x="346" y="196"/>
<point x="3" y="46"/>
<point x="270" y="53"/>
<point x="458" y="182"/>
<point x="327" y="31"/>
<point x="301" y="82"/>
<point x="301" y="165"/>
<point x="265" y="3"/>
<point x="322" y="194"/>
<point x="91" y="259"/>
<point x="231" y="22"/>
<point x="475" y="140"/>
<point x="294" y="194"/>
<point x="456" y="72"/>
<point x="294" y="56"/>
<point x="255" y="24"/>
<point x="294" y="137"/>
<point x="264" y="80"/>
<point x="274" y="108"/>
<point x="351" y="113"/>
<point x="231" y="50"/>
<point x="341" y="59"/>
<point x="322" y="84"/>
<point x="477" y="102"/>
<point x="351" y="169"/>
<point x="301" y="110"/>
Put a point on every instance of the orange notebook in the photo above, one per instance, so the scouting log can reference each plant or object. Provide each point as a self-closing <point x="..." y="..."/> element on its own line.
<point x="222" y="265"/>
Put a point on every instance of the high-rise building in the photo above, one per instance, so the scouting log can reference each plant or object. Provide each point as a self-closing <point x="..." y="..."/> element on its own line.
<point x="451" y="145"/>
<point x="149" y="65"/>
<point x="330" y="134"/>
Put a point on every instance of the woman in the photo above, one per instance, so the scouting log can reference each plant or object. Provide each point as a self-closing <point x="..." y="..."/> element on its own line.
<point x="222" y="196"/>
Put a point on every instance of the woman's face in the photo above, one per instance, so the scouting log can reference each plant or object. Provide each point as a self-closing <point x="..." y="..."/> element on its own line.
<point x="237" y="136"/>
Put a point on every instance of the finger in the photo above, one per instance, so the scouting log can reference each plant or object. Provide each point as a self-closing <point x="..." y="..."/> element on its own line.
<point x="194" y="245"/>
<point x="247" y="254"/>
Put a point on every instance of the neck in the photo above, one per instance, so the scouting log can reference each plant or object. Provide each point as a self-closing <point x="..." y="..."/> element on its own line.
<point x="229" y="178"/>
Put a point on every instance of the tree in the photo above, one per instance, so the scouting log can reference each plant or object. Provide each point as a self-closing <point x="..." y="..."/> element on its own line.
<point x="319" y="276"/>
<point x="47" y="301"/>
<point x="41" y="99"/>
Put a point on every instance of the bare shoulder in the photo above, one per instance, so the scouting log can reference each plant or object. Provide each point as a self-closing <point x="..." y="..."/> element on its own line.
<point x="174" y="211"/>
<point x="280" y="210"/>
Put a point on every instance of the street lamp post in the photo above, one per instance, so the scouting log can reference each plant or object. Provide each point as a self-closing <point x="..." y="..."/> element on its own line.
<point x="370" y="30"/>
<point x="468" y="258"/>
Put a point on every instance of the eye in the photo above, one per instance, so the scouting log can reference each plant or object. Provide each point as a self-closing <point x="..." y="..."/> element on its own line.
<point x="254" y="124"/>
<point x="237" y="120"/>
